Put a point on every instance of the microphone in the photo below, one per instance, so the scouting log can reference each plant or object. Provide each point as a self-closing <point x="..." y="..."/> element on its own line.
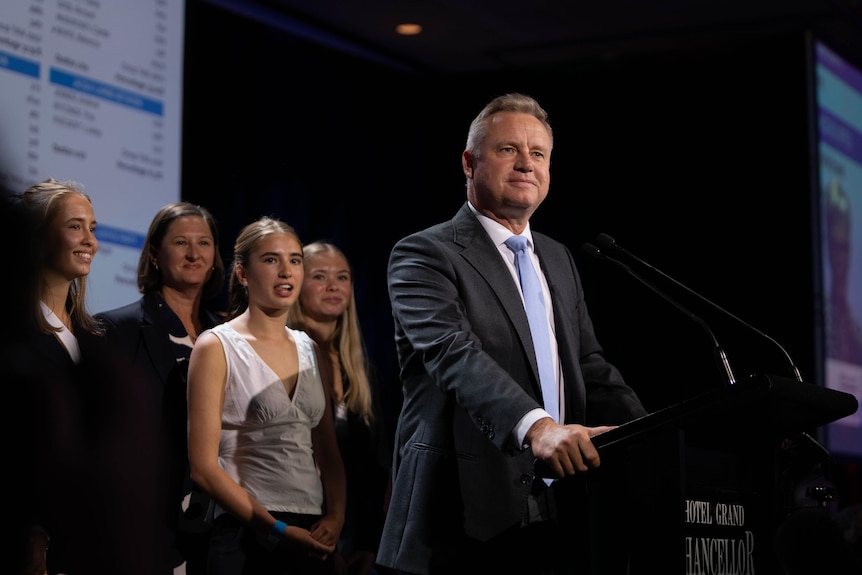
<point x="720" y="355"/>
<point x="609" y="243"/>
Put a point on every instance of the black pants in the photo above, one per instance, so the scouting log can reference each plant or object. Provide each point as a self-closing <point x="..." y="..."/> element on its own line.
<point x="236" y="549"/>
<point x="557" y="537"/>
<point x="535" y="549"/>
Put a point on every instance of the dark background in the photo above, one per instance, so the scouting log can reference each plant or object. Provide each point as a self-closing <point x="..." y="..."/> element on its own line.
<point x="697" y="161"/>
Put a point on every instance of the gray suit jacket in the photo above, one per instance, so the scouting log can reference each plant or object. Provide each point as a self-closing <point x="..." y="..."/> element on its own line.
<point x="469" y="374"/>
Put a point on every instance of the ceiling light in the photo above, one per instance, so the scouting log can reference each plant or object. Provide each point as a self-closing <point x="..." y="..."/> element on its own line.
<point x="408" y="29"/>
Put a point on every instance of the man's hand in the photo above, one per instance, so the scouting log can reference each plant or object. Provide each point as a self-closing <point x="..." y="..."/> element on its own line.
<point x="565" y="449"/>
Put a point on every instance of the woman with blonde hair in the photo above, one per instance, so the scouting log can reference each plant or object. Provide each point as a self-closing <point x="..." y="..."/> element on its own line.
<point x="78" y="450"/>
<point x="61" y="217"/>
<point x="326" y="310"/>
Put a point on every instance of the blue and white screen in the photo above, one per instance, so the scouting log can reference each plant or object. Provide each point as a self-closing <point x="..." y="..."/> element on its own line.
<point x="91" y="91"/>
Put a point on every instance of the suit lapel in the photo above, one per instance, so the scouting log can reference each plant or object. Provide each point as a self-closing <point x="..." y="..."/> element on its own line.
<point x="482" y="254"/>
<point x="154" y="336"/>
<point x="552" y="268"/>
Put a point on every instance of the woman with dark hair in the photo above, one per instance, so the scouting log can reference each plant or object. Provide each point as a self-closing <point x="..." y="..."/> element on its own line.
<point x="179" y="270"/>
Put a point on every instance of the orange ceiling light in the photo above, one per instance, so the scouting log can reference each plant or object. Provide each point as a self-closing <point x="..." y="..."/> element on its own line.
<point x="408" y="29"/>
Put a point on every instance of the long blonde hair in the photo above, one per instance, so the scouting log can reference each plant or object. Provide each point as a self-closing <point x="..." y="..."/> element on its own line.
<point x="346" y="341"/>
<point x="40" y="204"/>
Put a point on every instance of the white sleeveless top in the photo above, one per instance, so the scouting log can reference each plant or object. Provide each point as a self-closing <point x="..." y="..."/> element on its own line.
<point x="265" y="441"/>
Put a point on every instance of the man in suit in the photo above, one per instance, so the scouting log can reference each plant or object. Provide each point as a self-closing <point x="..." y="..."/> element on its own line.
<point x="465" y="496"/>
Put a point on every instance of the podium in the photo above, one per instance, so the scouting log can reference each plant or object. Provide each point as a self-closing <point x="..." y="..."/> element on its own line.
<point x="701" y="486"/>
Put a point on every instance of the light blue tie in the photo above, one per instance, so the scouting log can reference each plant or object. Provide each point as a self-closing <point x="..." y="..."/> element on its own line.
<point x="534" y="302"/>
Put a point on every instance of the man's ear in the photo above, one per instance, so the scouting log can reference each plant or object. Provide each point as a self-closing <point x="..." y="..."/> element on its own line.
<point x="467" y="163"/>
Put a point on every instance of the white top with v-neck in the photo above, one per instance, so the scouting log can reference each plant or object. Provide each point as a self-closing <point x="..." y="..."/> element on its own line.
<point x="265" y="441"/>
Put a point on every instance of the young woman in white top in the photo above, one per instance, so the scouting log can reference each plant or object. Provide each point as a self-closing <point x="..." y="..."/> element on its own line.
<point x="261" y="437"/>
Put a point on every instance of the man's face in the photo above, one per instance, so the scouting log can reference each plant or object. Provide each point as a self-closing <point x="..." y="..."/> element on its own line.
<point x="510" y="172"/>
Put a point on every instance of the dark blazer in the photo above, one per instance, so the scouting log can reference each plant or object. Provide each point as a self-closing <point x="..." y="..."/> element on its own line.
<point x="469" y="375"/>
<point x="78" y="460"/>
<point x="367" y="456"/>
<point x="137" y="335"/>
<point x="50" y="405"/>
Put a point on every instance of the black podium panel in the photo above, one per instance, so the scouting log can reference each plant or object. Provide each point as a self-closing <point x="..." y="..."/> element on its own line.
<point x="700" y="486"/>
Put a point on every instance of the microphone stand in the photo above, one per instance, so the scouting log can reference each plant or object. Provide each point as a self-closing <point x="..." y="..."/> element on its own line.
<point x="607" y="242"/>
<point x="718" y="351"/>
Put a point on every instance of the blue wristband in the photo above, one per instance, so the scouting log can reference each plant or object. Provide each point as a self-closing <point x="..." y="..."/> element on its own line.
<point x="277" y="532"/>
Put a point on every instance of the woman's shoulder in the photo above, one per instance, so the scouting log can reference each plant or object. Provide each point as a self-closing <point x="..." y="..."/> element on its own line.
<point x="220" y="331"/>
<point x="216" y="339"/>
<point x="130" y="313"/>
<point x="298" y="334"/>
<point x="304" y="343"/>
